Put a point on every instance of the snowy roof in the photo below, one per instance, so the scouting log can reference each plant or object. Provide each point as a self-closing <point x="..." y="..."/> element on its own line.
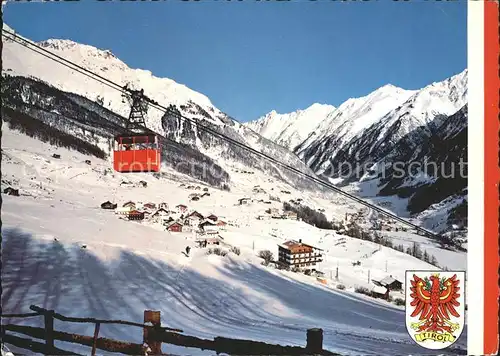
<point x="388" y="280"/>
<point x="208" y="222"/>
<point x="160" y="210"/>
<point x="293" y="245"/>
<point x="379" y="289"/>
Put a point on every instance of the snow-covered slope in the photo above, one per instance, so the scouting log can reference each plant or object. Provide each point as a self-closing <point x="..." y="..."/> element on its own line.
<point x="19" y="61"/>
<point x="127" y="266"/>
<point x="290" y="130"/>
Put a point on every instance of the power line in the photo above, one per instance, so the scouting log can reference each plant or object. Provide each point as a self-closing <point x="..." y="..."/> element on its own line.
<point x="48" y="54"/>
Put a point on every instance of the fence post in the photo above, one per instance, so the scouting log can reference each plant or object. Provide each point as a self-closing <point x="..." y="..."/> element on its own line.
<point x="94" y="341"/>
<point x="153" y="317"/>
<point x="315" y="340"/>
<point x="49" y="330"/>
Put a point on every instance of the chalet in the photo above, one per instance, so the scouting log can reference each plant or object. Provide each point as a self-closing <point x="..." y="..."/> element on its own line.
<point x="55" y="155"/>
<point x="205" y="189"/>
<point x="182" y="185"/>
<point x="190" y="187"/>
<point x="297" y="254"/>
<point x="195" y="214"/>
<point x="135" y="215"/>
<point x="244" y="201"/>
<point x="11" y="191"/>
<point x="195" y="198"/>
<point x="390" y="283"/>
<point x="205" y="195"/>
<point x="88" y="161"/>
<point x="221" y="224"/>
<point x="191" y="196"/>
<point x="168" y="220"/>
<point x="193" y="219"/>
<point x="273" y="211"/>
<point x="108" y="205"/>
<point x="130" y="204"/>
<point x="209" y="227"/>
<point x="379" y="292"/>
<point x="181" y="208"/>
<point x="291" y="215"/>
<point x="212" y="217"/>
<point x="175" y="226"/>
<point x="197" y="188"/>
<point x="150" y="206"/>
<point x="143" y="183"/>
<point x="160" y="213"/>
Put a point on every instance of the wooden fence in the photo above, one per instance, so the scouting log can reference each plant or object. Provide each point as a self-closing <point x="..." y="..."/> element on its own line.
<point x="154" y="334"/>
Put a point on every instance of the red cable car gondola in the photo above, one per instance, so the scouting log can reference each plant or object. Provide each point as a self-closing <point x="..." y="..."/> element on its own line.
<point x="136" y="153"/>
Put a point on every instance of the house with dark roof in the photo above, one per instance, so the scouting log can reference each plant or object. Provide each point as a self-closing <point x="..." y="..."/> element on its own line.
<point x="136" y="215"/>
<point x="212" y="217"/>
<point x="298" y="254"/>
<point x="379" y="292"/>
<point x="160" y="213"/>
<point x="150" y="206"/>
<point x="175" y="226"/>
<point x="11" y="191"/>
<point x="209" y="227"/>
<point x="389" y="282"/>
<point x="243" y="201"/>
<point x="181" y="208"/>
<point x="193" y="219"/>
<point x="129" y="204"/>
<point x="108" y="205"/>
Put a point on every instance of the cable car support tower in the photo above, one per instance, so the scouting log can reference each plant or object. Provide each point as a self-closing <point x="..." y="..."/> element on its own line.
<point x="138" y="150"/>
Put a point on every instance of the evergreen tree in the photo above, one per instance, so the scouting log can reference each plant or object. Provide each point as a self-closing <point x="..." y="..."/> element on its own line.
<point x="426" y="256"/>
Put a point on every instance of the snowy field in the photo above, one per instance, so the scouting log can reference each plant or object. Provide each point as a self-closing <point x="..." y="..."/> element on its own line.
<point x="128" y="267"/>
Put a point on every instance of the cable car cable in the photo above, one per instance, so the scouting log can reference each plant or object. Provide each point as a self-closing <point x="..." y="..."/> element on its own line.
<point x="164" y="109"/>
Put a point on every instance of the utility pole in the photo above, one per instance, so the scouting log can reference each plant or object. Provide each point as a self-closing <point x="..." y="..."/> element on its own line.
<point x="368" y="276"/>
<point x="253" y="245"/>
<point x="337" y="273"/>
<point x="386" y="265"/>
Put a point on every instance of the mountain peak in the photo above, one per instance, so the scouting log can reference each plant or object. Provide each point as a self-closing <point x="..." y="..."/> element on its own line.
<point x="318" y="106"/>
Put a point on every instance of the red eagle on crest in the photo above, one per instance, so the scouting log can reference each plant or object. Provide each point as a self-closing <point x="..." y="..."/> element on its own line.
<point x="434" y="299"/>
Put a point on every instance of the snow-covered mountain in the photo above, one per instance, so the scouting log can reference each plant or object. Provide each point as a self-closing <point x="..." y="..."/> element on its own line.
<point x="71" y="85"/>
<point x="361" y="127"/>
<point x="370" y="134"/>
<point x="290" y="130"/>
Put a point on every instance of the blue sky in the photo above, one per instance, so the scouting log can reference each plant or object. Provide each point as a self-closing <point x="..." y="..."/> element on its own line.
<point x="252" y="57"/>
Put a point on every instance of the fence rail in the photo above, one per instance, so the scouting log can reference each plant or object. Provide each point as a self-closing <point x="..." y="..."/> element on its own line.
<point x="154" y="334"/>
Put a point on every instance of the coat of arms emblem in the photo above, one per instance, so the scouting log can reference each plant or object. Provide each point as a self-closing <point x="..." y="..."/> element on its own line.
<point x="435" y="307"/>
